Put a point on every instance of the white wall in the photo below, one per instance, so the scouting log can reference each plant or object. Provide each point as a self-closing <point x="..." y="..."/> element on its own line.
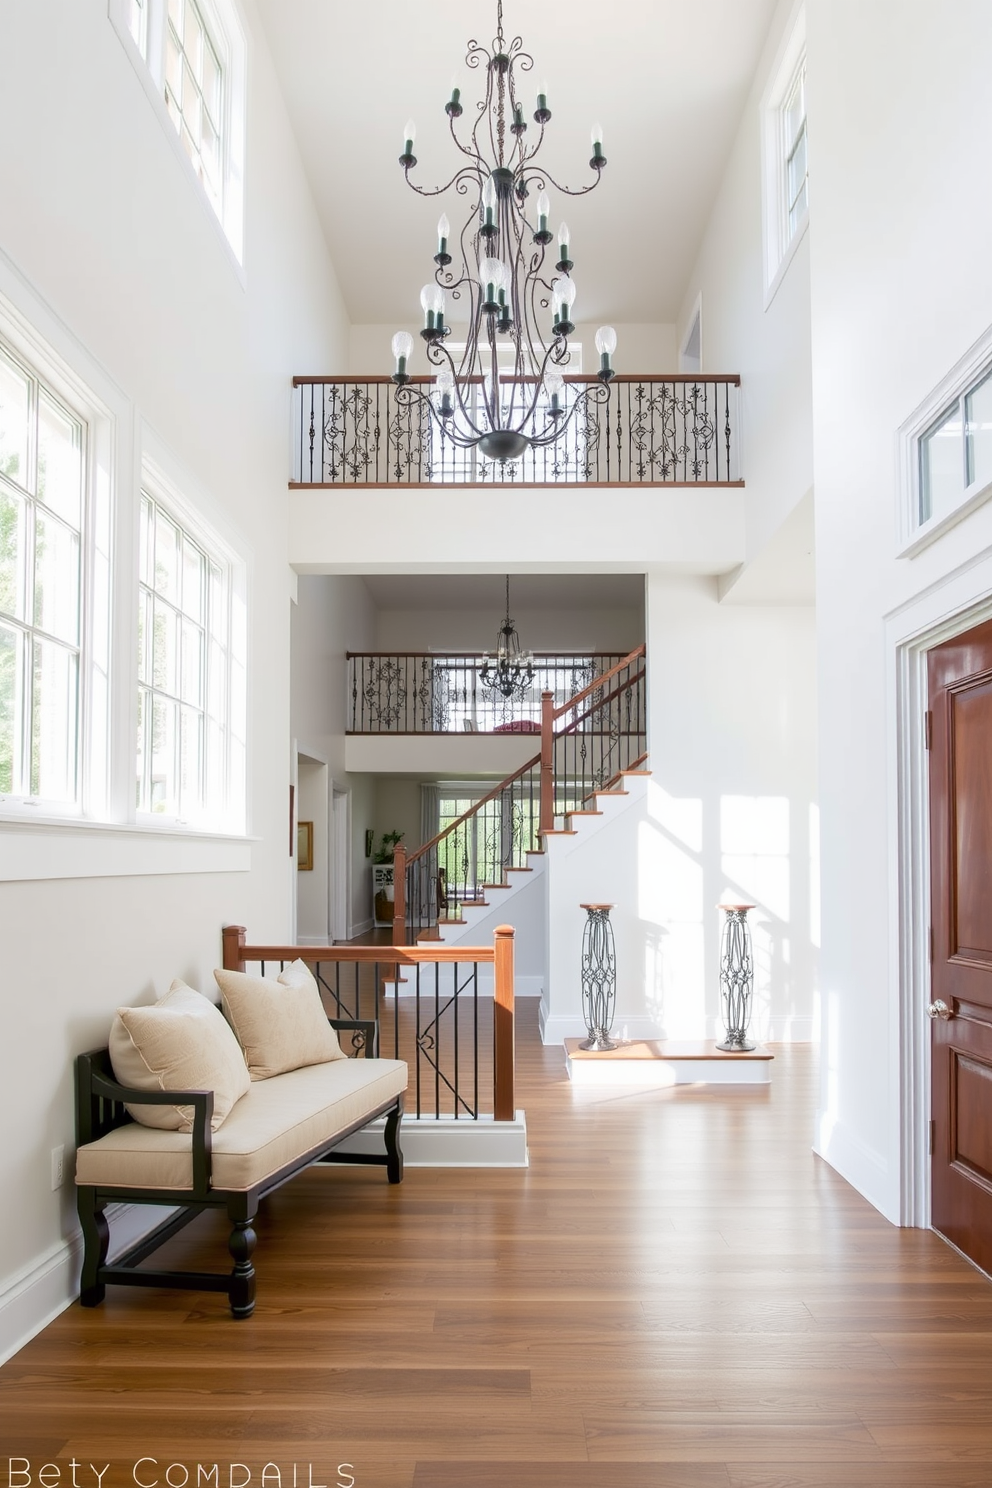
<point x="900" y="289"/>
<point x="766" y="341"/>
<point x="539" y="630"/>
<point x="334" y="615"/>
<point x="732" y="710"/>
<point x="312" y="884"/>
<point x="105" y="227"/>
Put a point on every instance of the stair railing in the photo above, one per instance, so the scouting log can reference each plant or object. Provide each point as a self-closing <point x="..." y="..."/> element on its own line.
<point x="604" y="733"/>
<point x="469" y="855"/>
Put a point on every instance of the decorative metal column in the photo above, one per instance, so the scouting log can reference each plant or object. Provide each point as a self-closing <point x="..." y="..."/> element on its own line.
<point x="599" y="977"/>
<point x="736" y="977"/>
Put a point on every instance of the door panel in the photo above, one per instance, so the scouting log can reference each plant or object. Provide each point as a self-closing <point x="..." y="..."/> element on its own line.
<point x="960" y="680"/>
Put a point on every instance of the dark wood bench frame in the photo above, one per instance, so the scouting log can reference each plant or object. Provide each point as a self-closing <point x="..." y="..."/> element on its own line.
<point x="100" y="1108"/>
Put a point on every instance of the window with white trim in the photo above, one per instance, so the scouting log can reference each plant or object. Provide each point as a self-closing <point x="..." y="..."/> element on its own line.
<point x="42" y="530"/>
<point x="785" y="171"/>
<point x="796" y="185"/>
<point x="191" y="56"/>
<point x="946" y="451"/>
<point x="190" y="761"/>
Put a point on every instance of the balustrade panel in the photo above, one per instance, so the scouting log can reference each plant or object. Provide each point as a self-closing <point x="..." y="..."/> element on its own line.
<point x="656" y="431"/>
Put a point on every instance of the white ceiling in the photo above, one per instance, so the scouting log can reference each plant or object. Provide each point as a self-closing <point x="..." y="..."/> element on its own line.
<point x="488" y="591"/>
<point x="667" y="80"/>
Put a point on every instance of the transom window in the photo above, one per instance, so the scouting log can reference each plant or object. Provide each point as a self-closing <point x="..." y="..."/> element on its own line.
<point x="42" y="449"/>
<point x="190" y="753"/>
<point x="956" y="451"/>
<point x="194" y="82"/>
<point x="794" y="151"/>
<point x="191" y="58"/>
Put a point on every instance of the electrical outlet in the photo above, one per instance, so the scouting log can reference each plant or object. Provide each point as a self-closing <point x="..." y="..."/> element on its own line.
<point x="58" y="1167"/>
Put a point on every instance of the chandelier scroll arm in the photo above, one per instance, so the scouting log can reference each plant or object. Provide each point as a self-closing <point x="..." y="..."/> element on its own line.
<point x="594" y="393"/>
<point x="462" y="181"/>
<point x="438" y="354"/>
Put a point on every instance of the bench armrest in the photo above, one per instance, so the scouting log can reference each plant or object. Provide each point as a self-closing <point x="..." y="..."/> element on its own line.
<point x="202" y="1102"/>
<point x="368" y="1028"/>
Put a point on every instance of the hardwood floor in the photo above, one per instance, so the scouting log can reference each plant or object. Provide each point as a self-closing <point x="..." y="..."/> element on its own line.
<point x="676" y="1294"/>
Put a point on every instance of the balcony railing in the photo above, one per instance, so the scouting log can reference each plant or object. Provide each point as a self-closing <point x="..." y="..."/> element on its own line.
<point x="654" y="431"/>
<point x="393" y="692"/>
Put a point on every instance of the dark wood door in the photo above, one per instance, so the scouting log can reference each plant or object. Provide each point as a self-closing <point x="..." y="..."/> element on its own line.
<point x="960" y="726"/>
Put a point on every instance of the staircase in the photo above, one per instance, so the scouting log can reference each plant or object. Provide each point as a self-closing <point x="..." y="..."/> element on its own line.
<point x="495" y="855"/>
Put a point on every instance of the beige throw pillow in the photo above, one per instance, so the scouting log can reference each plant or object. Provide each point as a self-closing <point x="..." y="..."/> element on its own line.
<point x="179" y="1043"/>
<point x="279" y="1021"/>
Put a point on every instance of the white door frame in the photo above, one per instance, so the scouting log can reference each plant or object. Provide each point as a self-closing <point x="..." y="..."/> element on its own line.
<point x="339" y="861"/>
<point x="960" y="600"/>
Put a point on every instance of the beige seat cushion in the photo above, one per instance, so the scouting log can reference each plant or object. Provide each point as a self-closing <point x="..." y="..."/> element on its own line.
<point x="180" y="1042"/>
<point x="279" y="1021"/>
<point x="275" y="1124"/>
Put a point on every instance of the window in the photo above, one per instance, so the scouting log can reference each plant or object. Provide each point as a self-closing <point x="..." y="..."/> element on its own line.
<point x="796" y="196"/>
<point x="190" y="55"/>
<point x="947" y="451"/>
<point x="785" y="174"/>
<point x="191" y="675"/>
<point x="42" y="515"/>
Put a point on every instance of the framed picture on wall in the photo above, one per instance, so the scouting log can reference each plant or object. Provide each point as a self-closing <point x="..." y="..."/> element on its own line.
<point x="304" y="846"/>
<point x="369" y="839"/>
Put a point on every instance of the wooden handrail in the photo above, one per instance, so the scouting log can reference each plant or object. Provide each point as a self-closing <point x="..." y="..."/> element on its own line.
<point x="734" y="378"/>
<point x="598" y="681"/>
<point x="482" y="801"/>
<point x="237" y="952"/>
<point x="441" y="655"/>
<point x="399" y="894"/>
<point x="620" y="688"/>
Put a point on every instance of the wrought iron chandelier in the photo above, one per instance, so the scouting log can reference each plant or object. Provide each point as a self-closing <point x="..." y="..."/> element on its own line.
<point x="511" y="670"/>
<point x="501" y="270"/>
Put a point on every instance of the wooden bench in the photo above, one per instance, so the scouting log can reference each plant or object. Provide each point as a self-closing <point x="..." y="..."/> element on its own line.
<point x="281" y="1126"/>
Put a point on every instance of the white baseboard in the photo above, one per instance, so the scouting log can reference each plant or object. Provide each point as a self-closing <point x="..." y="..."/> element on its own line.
<point x="557" y="1027"/>
<point x="36" y="1295"/>
<point x="452" y="1144"/>
<point x="360" y="927"/>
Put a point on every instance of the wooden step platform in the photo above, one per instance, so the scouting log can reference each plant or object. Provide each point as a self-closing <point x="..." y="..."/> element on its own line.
<point x="660" y="1062"/>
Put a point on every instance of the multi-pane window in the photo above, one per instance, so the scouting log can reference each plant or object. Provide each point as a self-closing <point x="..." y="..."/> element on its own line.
<point x="956" y="450"/>
<point x="136" y="12"/>
<point x="42" y="506"/>
<point x="189" y="759"/>
<point x="194" y="83"/>
<point x="796" y="196"/>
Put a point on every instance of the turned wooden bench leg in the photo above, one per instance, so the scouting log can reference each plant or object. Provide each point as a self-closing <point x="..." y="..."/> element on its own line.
<point x="394" y="1156"/>
<point x="96" y="1242"/>
<point x="241" y="1288"/>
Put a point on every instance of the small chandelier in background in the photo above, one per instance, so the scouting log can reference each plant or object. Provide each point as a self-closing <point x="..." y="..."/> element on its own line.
<point x="510" y="671"/>
<point x="514" y="308"/>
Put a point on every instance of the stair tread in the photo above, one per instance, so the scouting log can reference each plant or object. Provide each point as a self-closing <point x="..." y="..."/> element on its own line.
<point x="583" y="813"/>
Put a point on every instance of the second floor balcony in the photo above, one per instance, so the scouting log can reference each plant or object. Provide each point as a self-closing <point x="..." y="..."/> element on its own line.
<point x="655" y="430"/>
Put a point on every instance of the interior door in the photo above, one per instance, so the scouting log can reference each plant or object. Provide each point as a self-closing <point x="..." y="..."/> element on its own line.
<point x="960" y="727"/>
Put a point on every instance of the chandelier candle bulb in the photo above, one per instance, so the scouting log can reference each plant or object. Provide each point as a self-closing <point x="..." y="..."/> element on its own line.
<point x="598" y="158"/>
<point x="402" y="349"/>
<point x="606" y="345"/>
<point x="443" y="234"/>
<point x="408" y="158"/>
<point x="564" y="238"/>
<point x="453" y="107"/>
<point x="518" y="126"/>
<point x="543" y="113"/>
<point x="554" y="387"/>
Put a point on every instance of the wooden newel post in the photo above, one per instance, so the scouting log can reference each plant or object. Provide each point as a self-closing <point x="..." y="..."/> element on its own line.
<point x="503" y="1041"/>
<point x="547" y="761"/>
<point x="234" y="947"/>
<point x="399" y="894"/>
